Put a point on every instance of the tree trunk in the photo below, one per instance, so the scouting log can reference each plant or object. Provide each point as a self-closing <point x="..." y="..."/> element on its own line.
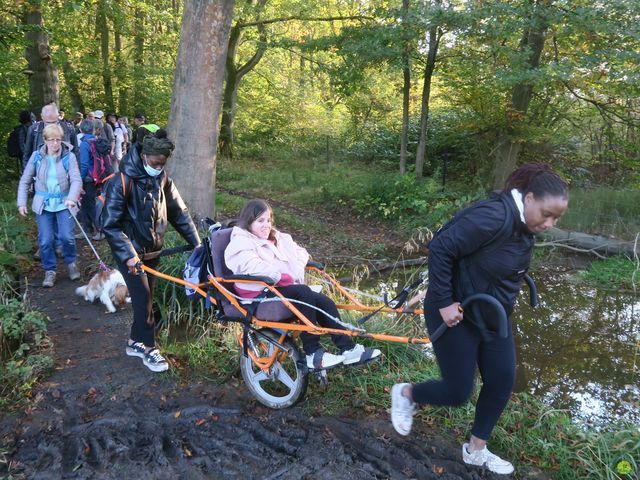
<point x="434" y="41"/>
<point x="233" y="77"/>
<point x="43" y="74"/>
<point x="509" y="144"/>
<point x="406" y="89"/>
<point x="103" y="30"/>
<point x="121" y="74"/>
<point x="71" y="80"/>
<point x="138" y="59"/>
<point x="196" y="100"/>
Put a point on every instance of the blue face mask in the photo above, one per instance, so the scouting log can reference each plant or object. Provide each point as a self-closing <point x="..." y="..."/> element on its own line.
<point x="152" y="171"/>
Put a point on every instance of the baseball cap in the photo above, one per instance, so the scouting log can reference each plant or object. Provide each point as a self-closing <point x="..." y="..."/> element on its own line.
<point x="98" y="114"/>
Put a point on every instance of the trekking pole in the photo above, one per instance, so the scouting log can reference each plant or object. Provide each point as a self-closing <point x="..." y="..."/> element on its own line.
<point x="101" y="265"/>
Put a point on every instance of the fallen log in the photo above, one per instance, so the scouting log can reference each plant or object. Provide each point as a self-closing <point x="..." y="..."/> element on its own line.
<point x="587" y="243"/>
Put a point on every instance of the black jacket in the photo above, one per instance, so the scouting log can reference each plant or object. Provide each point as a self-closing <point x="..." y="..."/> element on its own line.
<point x="499" y="272"/>
<point x="136" y="221"/>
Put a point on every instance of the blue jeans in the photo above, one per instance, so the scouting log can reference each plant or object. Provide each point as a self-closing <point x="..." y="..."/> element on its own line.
<point x="47" y="223"/>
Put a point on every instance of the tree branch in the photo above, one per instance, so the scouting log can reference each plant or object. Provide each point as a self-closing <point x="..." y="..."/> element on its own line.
<point x="302" y="19"/>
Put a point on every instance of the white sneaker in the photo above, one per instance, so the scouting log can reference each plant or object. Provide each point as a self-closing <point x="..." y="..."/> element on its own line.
<point x="485" y="458"/>
<point x="360" y="353"/>
<point x="402" y="410"/>
<point x="320" y="360"/>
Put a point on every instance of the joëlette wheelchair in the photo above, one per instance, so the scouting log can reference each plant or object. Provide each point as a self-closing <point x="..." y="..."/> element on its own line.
<point x="272" y="365"/>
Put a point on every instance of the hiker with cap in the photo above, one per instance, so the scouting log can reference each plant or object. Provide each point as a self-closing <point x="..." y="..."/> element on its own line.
<point x="486" y="249"/>
<point x="105" y="130"/>
<point x="140" y="202"/>
<point x="142" y="128"/>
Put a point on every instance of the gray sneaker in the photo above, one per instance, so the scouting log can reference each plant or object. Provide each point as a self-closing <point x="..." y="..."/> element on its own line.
<point x="154" y="361"/>
<point x="74" y="273"/>
<point x="49" y="279"/>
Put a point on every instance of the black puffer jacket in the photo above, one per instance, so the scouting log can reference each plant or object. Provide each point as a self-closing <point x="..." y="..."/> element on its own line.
<point x="499" y="273"/>
<point x="135" y="222"/>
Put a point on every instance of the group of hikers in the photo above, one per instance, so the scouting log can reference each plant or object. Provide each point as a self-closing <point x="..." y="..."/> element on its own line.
<point x="141" y="201"/>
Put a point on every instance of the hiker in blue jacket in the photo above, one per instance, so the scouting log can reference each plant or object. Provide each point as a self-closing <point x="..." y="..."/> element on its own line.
<point x="533" y="200"/>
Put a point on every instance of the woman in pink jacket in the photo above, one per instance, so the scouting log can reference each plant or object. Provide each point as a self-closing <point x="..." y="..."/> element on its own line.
<point x="256" y="248"/>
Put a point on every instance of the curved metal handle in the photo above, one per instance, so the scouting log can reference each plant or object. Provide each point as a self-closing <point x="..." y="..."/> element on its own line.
<point x="503" y="326"/>
<point x="533" y="291"/>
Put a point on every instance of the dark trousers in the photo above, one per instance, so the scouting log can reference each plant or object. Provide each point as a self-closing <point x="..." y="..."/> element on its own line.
<point x="310" y="343"/>
<point x="141" y="292"/>
<point x="88" y="206"/>
<point x="458" y="352"/>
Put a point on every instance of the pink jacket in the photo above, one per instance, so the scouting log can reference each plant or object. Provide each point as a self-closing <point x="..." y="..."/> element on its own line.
<point x="247" y="254"/>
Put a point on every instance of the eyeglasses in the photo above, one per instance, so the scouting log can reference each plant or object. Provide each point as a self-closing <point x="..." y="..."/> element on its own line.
<point x="53" y="140"/>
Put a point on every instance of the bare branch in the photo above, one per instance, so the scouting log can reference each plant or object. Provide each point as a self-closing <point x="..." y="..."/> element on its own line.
<point x="302" y="19"/>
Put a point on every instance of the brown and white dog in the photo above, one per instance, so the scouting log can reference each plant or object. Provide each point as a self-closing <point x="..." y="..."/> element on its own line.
<point x="109" y="287"/>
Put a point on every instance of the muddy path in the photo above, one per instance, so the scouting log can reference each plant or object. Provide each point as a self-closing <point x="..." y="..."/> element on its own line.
<point x="103" y="415"/>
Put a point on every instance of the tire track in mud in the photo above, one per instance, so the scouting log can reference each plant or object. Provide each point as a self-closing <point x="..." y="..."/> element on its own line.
<point x="103" y="415"/>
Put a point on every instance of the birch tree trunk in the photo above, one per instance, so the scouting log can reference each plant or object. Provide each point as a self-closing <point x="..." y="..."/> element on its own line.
<point x="197" y="101"/>
<point x="43" y="74"/>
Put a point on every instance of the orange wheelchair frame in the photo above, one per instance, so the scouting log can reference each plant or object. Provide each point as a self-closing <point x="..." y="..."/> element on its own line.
<point x="269" y="344"/>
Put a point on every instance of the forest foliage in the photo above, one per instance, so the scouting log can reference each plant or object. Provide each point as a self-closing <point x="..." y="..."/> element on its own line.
<point x="324" y="79"/>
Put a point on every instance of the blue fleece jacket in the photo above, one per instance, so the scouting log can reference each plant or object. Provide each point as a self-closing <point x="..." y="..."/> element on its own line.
<point x="86" y="160"/>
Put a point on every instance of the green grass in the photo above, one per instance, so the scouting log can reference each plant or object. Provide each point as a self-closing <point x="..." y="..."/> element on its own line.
<point x="604" y="211"/>
<point x="614" y="273"/>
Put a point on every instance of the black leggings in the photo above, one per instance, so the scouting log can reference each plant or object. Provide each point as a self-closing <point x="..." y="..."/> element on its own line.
<point x="141" y="292"/>
<point x="310" y="343"/>
<point x="458" y="352"/>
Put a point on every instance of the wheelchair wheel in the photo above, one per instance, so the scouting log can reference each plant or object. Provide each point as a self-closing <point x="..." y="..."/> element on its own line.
<point x="285" y="383"/>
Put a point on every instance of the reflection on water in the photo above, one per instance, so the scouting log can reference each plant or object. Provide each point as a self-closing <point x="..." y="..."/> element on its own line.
<point x="579" y="351"/>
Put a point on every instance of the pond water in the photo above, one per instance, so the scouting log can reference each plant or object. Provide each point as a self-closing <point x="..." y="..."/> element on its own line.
<point x="579" y="350"/>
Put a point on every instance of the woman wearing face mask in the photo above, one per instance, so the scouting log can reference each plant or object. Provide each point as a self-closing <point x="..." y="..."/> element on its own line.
<point x="139" y="206"/>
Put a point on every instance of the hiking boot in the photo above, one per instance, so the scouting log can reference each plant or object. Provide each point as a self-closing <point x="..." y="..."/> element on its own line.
<point x="49" y="279"/>
<point x="136" y="349"/>
<point x="487" y="459"/>
<point x="154" y="361"/>
<point x="360" y="354"/>
<point x="74" y="273"/>
<point x="98" y="236"/>
<point x="402" y="410"/>
<point x="321" y="359"/>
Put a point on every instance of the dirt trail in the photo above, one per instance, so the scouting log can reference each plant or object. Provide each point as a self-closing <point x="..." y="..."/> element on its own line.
<point x="103" y="415"/>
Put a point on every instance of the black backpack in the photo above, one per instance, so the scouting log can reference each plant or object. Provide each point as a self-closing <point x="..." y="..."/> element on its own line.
<point x="14" y="148"/>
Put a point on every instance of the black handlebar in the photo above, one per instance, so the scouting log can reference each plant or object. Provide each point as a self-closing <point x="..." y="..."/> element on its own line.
<point x="533" y="291"/>
<point x="503" y="324"/>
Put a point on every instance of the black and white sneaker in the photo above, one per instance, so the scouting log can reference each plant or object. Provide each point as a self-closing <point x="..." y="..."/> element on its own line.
<point x="136" y="349"/>
<point x="155" y="362"/>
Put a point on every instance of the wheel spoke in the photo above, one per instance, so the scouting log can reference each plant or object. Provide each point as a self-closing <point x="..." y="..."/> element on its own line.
<point x="259" y="376"/>
<point x="283" y="376"/>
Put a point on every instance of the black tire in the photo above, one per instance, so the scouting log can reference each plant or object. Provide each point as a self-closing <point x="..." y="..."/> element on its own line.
<point x="286" y="382"/>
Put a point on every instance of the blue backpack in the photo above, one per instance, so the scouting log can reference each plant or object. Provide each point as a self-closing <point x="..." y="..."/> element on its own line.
<point x="195" y="271"/>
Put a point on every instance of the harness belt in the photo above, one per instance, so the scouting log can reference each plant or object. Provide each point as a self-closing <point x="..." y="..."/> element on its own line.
<point x="48" y="195"/>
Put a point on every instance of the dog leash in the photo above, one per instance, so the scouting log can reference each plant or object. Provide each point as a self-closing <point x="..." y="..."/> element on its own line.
<point x="101" y="264"/>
